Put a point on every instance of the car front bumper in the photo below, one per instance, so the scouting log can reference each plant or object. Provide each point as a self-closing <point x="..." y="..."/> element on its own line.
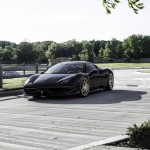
<point x="51" y="91"/>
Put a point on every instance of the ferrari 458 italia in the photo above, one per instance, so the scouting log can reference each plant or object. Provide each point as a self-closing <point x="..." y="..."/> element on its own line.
<point x="68" y="78"/>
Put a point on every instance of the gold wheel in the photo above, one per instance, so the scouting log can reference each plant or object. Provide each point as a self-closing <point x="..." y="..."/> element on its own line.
<point x="84" y="86"/>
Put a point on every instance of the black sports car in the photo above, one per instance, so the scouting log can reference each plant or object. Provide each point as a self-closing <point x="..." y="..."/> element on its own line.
<point x="69" y="78"/>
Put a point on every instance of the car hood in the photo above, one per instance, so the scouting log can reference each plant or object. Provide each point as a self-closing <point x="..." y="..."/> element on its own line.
<point x="51" y="78"/>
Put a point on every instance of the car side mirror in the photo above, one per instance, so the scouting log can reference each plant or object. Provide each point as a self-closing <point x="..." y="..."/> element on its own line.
<point x="42" y="72"/>
<point x="93" y="72"/>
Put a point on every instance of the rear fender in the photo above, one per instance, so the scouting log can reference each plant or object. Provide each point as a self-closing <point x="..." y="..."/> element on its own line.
<point x="107" y="72"/>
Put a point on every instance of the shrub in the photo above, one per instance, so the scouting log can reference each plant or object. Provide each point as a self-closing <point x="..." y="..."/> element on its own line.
<point x="140" y="135"/>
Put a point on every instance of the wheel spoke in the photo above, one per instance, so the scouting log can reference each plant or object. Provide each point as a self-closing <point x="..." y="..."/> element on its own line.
<point x="84" y="87"/>
<point x="111" y="81"/>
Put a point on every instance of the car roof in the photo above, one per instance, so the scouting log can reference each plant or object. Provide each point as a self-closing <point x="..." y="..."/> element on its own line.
<point x="76" y="62"/>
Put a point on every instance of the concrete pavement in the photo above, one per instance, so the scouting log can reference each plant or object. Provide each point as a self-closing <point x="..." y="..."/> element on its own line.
<point x="67" y="123"/>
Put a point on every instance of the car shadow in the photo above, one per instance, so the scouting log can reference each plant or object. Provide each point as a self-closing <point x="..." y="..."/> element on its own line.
<point x="98" y="97"/>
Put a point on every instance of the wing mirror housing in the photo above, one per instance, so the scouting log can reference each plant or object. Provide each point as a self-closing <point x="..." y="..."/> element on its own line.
<point x="93" y="72"/>
<point x="42" y="72"/>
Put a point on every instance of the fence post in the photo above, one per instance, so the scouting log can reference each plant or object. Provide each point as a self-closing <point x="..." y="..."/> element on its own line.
<point x="36" y="68"/>
<point x="1" y="76"/>
<point x="24" y="70"/>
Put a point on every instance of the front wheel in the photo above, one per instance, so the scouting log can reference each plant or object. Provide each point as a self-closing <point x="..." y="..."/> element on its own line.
<point x="110" y="82"/>
<point x="36" y="96"/>
<point x="84" y="87"/>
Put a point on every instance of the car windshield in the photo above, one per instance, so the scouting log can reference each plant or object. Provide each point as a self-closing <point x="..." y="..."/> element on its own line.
<point x="64" y="68"/>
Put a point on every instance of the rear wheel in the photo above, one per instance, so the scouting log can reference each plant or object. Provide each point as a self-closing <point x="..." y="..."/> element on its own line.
<point x="84" y="87"/>
<point x="110" y="82"/>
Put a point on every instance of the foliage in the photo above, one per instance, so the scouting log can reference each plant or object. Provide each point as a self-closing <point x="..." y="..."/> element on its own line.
<point x="113" y="49"/>
<point x="1" y="54"/>
<point x="136" y="5"/>
<point x="67" y="49"/>
<point x="101" y="53"/>
<point x="8" y="53"/>
<point x="84" y="55"/>
<point x="140" y="135"/>
<point x="135" y="46"/>
<point x="25" y="53"/>
<point x="145" y="44"/>
<point x="53" y="50"/>
<point x="98" y="45"/>
<point x="6" y="43"/>
<point x="40" y="49"/>
<point x="87" y="52"/>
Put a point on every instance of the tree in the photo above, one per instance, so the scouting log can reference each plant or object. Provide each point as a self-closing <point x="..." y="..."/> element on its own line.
<point x="98" y="45"/>
<point x="107" y="51"/>
<point x="73" y="48"/>
<point x="136" y="5"/>
<point x="4" y="43"/>
<point x="25" y="53"/>
<point x="116" y="49"/>
<point x="112" y="49"/>
<point x="1" y="54"/>
<point x="52" y="50"/>
<point x="8" y="54"/>
<point x="145" y="44"/>
<point x="83" y="55"/>
<point x="87" y="52"/>
<point x="40" y="52"/>
<point x="101" y="53"/>
<point x="133" y="46"/>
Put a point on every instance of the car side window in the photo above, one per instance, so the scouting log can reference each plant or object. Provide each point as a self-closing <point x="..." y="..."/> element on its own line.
<point x="90" y="68"/>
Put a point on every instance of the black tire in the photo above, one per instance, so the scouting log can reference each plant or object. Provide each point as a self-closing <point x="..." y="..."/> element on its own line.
<point x="36" y="96"/>
<point x="84" y="87"/>
<point x="110" y="82"/>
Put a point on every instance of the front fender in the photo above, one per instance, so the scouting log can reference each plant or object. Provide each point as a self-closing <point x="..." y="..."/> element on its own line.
<point x="80" y="76"/>
<point x="32" y="79"/>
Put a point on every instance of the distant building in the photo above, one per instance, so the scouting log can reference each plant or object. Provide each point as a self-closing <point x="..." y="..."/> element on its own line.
<point x="58" y="60"/>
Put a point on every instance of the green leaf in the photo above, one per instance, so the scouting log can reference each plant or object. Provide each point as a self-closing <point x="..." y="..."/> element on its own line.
<point x="140" y="4"/>
<point x="104" y="3"/>
<point x="113" y="5"/>
<point x="108" y="10"/>
<point x="117" y="1"/>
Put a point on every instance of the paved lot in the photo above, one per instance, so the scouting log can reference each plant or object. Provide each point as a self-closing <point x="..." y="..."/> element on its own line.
<point x="64" y="123"/>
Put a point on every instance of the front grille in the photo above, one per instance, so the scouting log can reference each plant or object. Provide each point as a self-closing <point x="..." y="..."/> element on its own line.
<point x="48" y="91"/>
<point x="30" y="90"/>
<point x="55" y="90"/>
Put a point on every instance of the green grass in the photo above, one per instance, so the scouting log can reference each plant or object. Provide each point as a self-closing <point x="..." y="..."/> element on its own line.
<point x="122" y="65"/>
<point x="13" y="83"/>
<point x="144" y="71"/>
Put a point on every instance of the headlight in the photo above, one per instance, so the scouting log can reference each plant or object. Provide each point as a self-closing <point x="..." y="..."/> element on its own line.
<point x="27" y="81"/>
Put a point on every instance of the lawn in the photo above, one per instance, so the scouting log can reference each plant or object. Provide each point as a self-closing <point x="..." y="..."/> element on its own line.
<point x="13" y="83"/>
<point x="123" y="65"/>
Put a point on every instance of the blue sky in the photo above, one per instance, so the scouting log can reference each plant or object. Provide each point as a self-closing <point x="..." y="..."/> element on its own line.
<point x="62" y="20"/>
